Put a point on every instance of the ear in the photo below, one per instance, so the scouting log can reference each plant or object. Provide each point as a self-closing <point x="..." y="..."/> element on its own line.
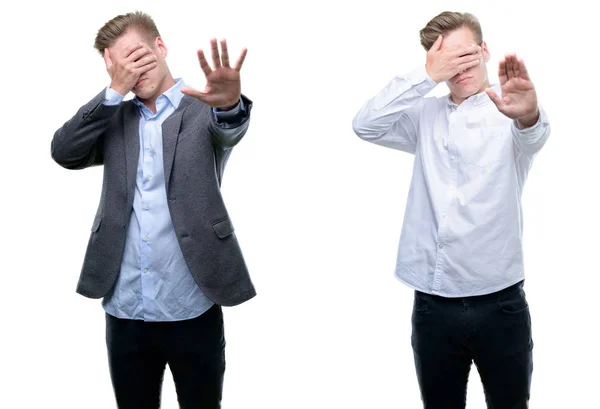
<point x="486" y="52"/>
<point x="161" y="47"/>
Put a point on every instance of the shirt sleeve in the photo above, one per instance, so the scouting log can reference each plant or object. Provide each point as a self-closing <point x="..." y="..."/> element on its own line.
<point x="112" y="97"/>
<point x="391" y="117"/>
<point x="530" y="140"/>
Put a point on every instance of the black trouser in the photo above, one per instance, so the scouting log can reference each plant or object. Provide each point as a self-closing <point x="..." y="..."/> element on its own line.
<point x="194" y="349"/>
<point x="493" y="330"/>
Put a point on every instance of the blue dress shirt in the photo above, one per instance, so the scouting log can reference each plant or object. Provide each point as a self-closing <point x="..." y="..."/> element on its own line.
<point x="155" y="283"/>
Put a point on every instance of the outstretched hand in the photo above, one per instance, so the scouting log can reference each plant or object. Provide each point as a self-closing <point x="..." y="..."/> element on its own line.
<point x="519" y="99"/>
<point x="223" y="85"/>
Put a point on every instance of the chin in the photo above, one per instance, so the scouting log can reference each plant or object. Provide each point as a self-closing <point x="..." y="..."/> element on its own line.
<point x="465" y="91"/>
<point x="144" y="93"/>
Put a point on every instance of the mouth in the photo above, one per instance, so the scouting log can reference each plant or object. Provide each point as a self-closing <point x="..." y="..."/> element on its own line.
<point x="137" y="84"/>
<point x="463" y="80"/>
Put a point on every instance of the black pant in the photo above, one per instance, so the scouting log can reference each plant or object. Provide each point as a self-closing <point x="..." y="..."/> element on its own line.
<point x="493" y="330"/>
<point x="194" y="349"/>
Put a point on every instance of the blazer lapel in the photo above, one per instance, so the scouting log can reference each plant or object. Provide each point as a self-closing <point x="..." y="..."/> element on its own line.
<point x="170" y="134"/>
<point x="131" y="125"/>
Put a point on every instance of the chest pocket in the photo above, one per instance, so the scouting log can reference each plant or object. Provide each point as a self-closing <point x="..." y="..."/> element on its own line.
<point x="485" y="141"/>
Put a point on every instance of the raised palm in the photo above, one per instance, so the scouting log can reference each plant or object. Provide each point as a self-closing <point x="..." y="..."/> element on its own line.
<point x="519" y="99"/>
<point x="223" y="85"/>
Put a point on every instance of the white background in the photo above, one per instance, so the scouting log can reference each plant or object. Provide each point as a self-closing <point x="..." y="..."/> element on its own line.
<point x="317" y="211"/>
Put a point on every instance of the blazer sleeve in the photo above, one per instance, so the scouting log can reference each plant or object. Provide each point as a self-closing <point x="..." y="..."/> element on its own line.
<point x="78" y="143"/>
<point x="227" y="129"/>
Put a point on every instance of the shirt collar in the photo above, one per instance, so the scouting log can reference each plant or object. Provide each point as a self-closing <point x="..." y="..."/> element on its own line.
<point x="173" y="94"/>
<point x="478" y="99"/>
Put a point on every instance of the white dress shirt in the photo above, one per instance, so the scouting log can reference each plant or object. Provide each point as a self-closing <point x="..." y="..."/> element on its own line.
<point x="463" y="223"/>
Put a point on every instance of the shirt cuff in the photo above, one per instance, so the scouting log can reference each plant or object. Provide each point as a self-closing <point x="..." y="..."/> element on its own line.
<point x="421" y="80"/>
<point x="535" y="132"/>
<point x="112" y="97"/>
<point x="533" y="128"/>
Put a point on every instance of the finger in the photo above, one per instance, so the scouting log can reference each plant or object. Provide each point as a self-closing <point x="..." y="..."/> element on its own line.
<point x="516" y="67"/>
<point x="144" y="61"/>
<point x="144" y="69"/>
<point x="461" y="50"/>
<point x="224" y="53"/>
<point x="132" y="48"/>
<point x="215" y="53"/>
<point x="240" y="60"/>
<point x="465" y="66"/>
<point x="203" y="63"/>
<point x="510" y="72"/>
<point x="468" y="58"/>
<point x="192" y="92"/>
<point x="437" y="44"/>
<point x="494" y="97"/>
<point x="139" y="53"/>
<point x="523" y="70"/>
<point x="502" y="75"/>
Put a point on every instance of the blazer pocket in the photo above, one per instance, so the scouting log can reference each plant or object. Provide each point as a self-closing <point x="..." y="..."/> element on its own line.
<point x="97" y="222"/>
<point x="223" y="228"/>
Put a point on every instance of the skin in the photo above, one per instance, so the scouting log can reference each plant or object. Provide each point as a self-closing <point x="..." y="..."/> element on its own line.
<point x="137" y="63"/>
<point x="456" y="59"/>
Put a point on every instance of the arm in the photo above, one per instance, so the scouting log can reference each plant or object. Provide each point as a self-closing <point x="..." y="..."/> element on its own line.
<point x="391" y="117"/>
<point x="531" y="135"/>
<point x="230" y="109"/>
<point x="227" y="127"/>
<point x="78" y="143"/>
<point x="530" y="126"/>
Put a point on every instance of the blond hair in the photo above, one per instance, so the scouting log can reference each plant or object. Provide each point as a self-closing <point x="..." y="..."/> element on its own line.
<point x="447" y="22"/>
<point x="115" y="28"/>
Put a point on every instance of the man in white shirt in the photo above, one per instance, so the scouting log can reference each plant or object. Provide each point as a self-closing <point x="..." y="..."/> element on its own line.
<point x="461" y="241"/>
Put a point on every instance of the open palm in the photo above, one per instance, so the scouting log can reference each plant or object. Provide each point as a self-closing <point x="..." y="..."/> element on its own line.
<point x="223" y="85"/>
<point x="519" y="98"/>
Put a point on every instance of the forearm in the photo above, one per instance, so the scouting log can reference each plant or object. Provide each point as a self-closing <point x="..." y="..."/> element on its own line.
<point x="387" y="118"/>
<point x="531" y="132"/>
<point x="76" y="144"/>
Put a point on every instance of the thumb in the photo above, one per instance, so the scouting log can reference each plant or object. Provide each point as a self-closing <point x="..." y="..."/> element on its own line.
<point x="192" y="92"/>
<point x="494" y="97"/>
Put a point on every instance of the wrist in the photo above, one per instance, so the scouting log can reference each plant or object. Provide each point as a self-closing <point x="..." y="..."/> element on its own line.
<point x="527" y="121"/>
<point x="430" y="74"/>
<point x="121" y="90"/>
<point x="229" y="105"/>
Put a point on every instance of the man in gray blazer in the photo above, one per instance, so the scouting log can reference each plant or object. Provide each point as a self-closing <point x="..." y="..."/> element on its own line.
<point x="162" y="253"/>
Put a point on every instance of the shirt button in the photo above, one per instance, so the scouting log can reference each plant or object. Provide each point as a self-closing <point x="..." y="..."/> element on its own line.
<point x="145" y="270"/>
<point x="146" y="207"/>
<point x="145" y="239"/>
<point x="149" y="177"/>
<point x="441" y="245"/>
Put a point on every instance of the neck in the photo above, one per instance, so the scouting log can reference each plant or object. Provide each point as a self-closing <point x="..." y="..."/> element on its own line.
<point x="165" y="85"/>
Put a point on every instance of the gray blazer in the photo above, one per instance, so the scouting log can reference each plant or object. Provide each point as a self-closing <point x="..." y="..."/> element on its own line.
<point x="195" y="153"/>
